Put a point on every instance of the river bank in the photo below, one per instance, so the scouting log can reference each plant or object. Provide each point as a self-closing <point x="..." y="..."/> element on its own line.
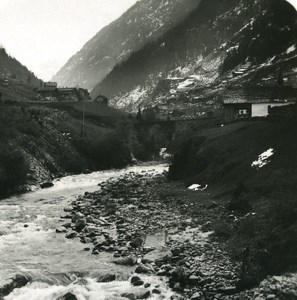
<point x="38" y="263"/>
<point x="135" y="226"/>
<point x="162" y="229"/>
<point x="41" y="143"/>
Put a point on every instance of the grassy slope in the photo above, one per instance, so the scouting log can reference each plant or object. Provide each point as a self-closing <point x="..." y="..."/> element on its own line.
<point x="224" y="153"/>
<point x="222" y="157"/>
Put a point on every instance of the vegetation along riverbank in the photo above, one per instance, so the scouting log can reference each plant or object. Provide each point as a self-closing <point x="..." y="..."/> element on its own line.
<point x="40" y="142"/>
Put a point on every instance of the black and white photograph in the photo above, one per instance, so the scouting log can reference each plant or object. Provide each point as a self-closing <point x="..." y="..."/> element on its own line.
<point x="148" y="149"/>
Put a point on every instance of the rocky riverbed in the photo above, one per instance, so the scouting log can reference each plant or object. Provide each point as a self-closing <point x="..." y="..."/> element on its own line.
<point x="148" y="223"/>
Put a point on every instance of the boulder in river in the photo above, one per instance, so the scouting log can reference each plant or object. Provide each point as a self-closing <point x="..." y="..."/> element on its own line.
<point x="136" y="281"/>
<point x="156" y="291"/>
<point x="17" y="282"/>
<point x="68" y="209"/>
<point x="106" y="278"/>
<point x="77" y="216"/>
<point x="80" y="224"/>
<point x="68" y="296"/>
<point x="126" y="261"/>
<point x="143" y="269"/>
<point x="157" y="254"/>
<point x="60" y="229"/>
<point x="46" y="184"/>
<point x="71" y="235"/>
<point x="140" y="293"/>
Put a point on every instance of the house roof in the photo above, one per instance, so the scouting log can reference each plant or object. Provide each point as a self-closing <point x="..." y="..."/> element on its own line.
<point x="47" y="89"/>
<point x="67" y="90"/>
<point x="259" y="95"/>
<point x="50" y="84"/>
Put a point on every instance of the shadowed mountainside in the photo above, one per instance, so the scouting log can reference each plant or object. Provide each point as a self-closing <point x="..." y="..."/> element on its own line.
<point x="143" y="22"/>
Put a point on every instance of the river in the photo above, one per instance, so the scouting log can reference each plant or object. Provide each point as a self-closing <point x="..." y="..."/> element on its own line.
<point x="29" y="244"/>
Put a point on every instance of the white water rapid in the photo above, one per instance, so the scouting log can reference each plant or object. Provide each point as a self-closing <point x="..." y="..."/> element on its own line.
<point x="29" y="245"/>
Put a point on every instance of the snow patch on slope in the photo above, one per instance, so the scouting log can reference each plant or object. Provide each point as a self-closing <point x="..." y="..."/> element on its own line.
<point x="291" y="49"/>
<point x="263" y="159"/>
<point x="132" y="99"/>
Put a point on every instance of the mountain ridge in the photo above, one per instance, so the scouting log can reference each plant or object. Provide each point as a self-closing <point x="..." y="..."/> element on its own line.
<point x="145" y="21"/>
<point x="205" y="49"/>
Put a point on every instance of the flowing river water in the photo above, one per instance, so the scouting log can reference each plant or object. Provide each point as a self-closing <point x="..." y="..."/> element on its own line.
<point x="29" y="245"/>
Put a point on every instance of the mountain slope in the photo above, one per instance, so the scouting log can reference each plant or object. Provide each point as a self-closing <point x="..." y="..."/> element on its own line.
<point x="202" y="52"/>
<point x="143" y="22"/>
<point x="17" y="83"/>
<point x="11" y="68"/>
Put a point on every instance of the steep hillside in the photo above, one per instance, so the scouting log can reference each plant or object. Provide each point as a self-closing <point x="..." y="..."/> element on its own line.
<point x="250" y="169"/>
<point x="45" y="140"/>
<point x="11" y="68"/>
<point x="192" y="63"/>
<point x="143" y="22"/>
<point x="38" y="142"/>
<point x="17" y="83"/>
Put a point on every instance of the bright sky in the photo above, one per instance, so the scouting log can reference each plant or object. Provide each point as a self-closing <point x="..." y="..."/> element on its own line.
<point x="44" y="34"/>
<point x="293" y="2"/>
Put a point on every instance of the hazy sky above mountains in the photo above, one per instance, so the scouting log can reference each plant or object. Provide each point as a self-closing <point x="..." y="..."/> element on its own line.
<point x="44" y="34"/>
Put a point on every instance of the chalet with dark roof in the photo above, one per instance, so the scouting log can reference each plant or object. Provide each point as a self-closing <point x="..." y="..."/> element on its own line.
<point x="51" y="92"/>
<point x="48" y="92"/>
<point x="68" y="94"/>
<point x="249" y="102"/>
